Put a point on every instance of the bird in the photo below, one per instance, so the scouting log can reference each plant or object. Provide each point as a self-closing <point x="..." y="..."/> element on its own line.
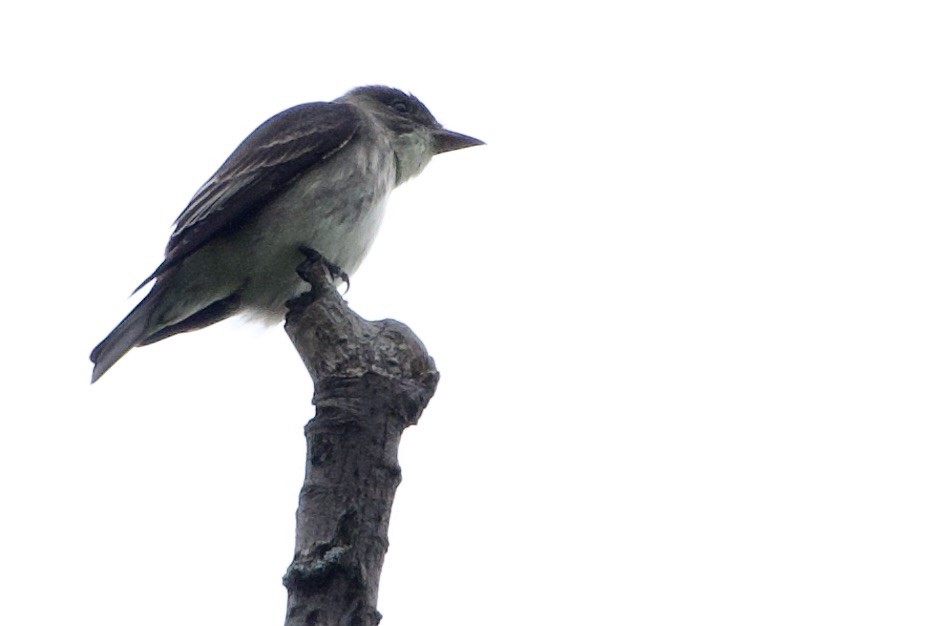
<point x="313" y="177"/>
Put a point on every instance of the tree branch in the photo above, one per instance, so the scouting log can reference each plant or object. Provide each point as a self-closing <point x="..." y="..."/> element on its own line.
<point x="372" y="380"/>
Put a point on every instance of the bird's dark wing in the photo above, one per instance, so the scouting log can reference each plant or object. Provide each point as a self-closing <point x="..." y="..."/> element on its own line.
<point x="264" y="165"/>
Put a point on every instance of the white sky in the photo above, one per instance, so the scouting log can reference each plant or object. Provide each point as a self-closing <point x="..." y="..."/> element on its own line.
<point x="684" y="306"/>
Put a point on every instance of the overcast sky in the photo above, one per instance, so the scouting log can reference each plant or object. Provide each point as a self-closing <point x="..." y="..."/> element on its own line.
<point x="683" y="304"/>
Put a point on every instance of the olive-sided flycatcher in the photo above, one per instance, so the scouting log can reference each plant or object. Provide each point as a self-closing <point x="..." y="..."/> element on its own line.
<point x="314" y="176"/>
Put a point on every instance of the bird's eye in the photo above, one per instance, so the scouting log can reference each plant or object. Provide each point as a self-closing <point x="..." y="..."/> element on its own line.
<point x="400" y="106"/>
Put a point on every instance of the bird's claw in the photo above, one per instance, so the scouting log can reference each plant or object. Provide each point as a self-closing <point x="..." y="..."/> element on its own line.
<point x="335" y="272"/>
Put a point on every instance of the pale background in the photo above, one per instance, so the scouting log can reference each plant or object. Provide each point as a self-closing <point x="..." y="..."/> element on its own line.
<point x="684" y="306"/>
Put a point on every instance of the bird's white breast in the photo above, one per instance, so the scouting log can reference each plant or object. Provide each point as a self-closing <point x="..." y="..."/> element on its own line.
<point x="335" y="209"/>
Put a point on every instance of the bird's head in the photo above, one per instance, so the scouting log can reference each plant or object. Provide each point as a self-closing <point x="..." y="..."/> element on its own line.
<point x="416" y="134"/>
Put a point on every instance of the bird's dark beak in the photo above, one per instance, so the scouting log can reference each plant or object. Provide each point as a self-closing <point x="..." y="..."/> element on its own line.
<point x="447" y="140"/>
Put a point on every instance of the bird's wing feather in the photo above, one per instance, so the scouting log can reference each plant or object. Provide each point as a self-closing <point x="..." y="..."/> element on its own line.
<point x="263" y="166"/>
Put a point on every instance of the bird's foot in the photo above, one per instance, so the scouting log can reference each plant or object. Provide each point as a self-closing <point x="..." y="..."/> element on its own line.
<point x="335" y="272"/>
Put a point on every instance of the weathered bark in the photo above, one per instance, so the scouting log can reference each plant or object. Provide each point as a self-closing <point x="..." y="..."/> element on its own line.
<point x="372" y="380"/>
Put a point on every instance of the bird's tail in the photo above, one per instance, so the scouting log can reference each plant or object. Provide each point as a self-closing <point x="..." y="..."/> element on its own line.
<point x="131" y="332"/>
